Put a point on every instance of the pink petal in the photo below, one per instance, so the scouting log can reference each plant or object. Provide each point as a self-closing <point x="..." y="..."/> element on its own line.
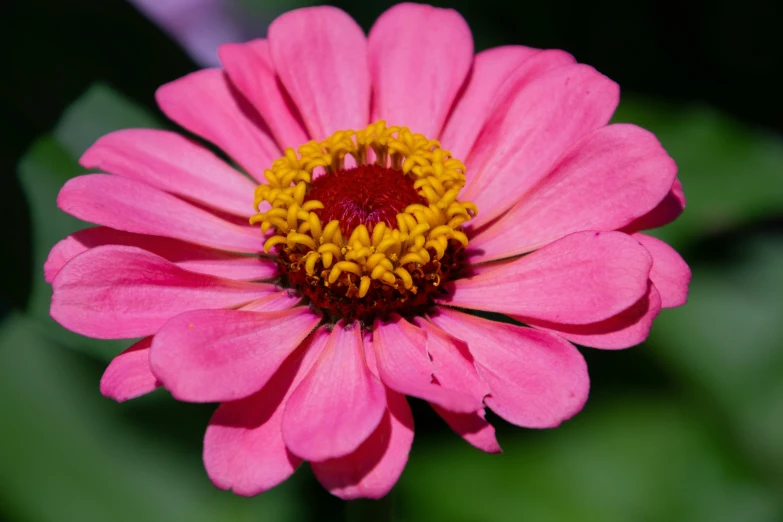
<point x="224" y="355"/>
<point x="530" y="129"/>
<point x="280" y="300"/>
<point x="373" y="469"/>
<point x="612" y="176"/>
<point x="251" y="69"/>
<point x="582" y="278"/>
<point x="369" y="354"/>
<point x="456" y="369"/>
<point x="133" y="206"/>
<point x="119" y="292"/>
<point x="243" y="446"/>
<point x="185" y="255"/>
<point x="419" y="58"/>
<point x="628" y="328"/>
<point x="320" y="55"/>
<point x="667" y="210"/>
<point x="453" y="364"/>
<point x="529" y="69"/>
<point x="670" y="273"/>
<point x="537" y="380"/>
<point x="173" y="163"/>
<point x="490" y="69"/>
<point x="208" y="105"/>
<point x="481" y="268"/>
<point x="472" y="427"/>
<point x="403" y="365"/>
<point x="128" y="375"/>
<point x="338" y="404"/>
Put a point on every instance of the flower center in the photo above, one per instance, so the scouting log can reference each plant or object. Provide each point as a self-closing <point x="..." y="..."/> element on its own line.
<point x="364" y="195"/>
<point x="363" y="241"/>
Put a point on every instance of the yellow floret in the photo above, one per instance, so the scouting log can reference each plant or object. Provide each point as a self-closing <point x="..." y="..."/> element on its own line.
<point x="386" y="254"/>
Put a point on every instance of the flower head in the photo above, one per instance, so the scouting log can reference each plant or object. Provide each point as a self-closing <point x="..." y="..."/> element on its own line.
<point x="399" y="183"/>
<point x="362" y="241"/>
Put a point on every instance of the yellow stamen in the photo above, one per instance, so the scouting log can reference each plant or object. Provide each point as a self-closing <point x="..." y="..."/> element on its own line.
<point x="387" y="254"/>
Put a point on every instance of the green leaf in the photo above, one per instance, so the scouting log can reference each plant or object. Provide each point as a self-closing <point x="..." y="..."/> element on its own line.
<point x="731" y="173"/>
<point x="42" y="172"/>
<point x="100" y="110"/>
<point x="636" y="459"/>
<point x="726" y="343"/>
<point x="44" y="169"/>
<point x="69" y="454"/>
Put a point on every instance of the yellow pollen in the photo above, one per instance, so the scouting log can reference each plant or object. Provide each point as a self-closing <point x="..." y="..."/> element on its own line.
<point x="385" y="255"/>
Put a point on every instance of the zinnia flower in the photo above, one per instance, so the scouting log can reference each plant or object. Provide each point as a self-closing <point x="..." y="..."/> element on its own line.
<point x="401" y="184"/>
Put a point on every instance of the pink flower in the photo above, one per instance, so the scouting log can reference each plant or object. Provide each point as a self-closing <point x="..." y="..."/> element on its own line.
<point x="375" y="245"/>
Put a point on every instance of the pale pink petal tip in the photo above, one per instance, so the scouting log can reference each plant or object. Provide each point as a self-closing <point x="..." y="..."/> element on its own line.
<point x="128" y="375"/>
<point x="338" y="404"/>
<point x="372" y="470"/>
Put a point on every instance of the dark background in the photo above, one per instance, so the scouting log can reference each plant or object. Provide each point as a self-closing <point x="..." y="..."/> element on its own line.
<point x="688" y="426"/>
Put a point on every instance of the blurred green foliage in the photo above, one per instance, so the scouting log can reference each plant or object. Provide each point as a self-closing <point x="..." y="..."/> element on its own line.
<point x="700" y="440"/>
<point x="69" y="454"/>
<point x="730" y="173"/>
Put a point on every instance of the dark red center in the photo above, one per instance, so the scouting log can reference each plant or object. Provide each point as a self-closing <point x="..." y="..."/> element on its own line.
<point x="365" y="195"/>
